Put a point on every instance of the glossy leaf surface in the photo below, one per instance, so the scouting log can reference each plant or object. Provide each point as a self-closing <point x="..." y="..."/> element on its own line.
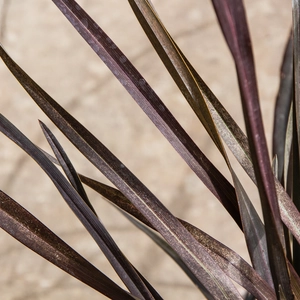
<point x="24" y="227"/>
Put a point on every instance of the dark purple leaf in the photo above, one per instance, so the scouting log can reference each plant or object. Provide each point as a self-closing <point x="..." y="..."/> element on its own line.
<point x="72" y="175"/>
<point x="240" y="271"/>
<point x="116" y="197"/>
<point x="295" y="184"/>
<point x="295" y="162"/>
<point x="232" y="19"/>
<point x="237" y="142"/>
<point x="193" y="254"/>
<point x="198" y="95"/>
<point x="296" y="61"/>
<point x="255" y="234"/>
<point x="234" y="266"/>
<point x="122" y="266"/>
<point x="28" y="230"/>
<point x="176" y="65"/>
<point x="165" y="247"/>
<point x="155" y="109"/>
<point x="295" y="281"/>
<point x="282" y="108"/>
<point x="66" y="164"/>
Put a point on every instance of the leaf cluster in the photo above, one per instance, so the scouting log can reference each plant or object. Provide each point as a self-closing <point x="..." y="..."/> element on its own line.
<point x="273" y="243"/>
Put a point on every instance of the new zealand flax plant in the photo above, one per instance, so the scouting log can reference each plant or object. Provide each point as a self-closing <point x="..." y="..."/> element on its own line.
<point x="272" y="240"/>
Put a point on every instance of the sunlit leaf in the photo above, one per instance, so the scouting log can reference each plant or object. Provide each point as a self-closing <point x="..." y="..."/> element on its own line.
<point x="296" y="61"/>
<point x="66" y="164"/>
<point x="175" y="64"/>
<point x="295" y="281"/>
<point x="28" y="230"/>
<point x="282" y="108"/>
<point x="197" y="94"/>
<point x="287" y="151"/>
<point x="296" y="124"/>
<point x="148" y="100"/>
<point x="295" y="164"/>
<point x="192" y="253"/>
<point x="165" y="247"/>
<point x="231" y="263"/>
<point x="122" y="266"/>
<point x="234" y="26"/>
<point x="255" y="235"/>
<point x="123" y="204"/>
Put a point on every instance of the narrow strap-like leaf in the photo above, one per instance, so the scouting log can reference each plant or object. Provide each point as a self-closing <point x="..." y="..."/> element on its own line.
<point x="295" y="160"/>
<point x="167" y="249"/>
<point x="295" y="281"/>
<point x="197" y="94"/>
<point x="239" y="270"/>
<point x="151" y="104"/>
<point x="290" y="216"/>
<point x="233" y="136"/>
<point x="154" y="292"/>
<point x="254" y="232"/>
<point x="192" y="253"/>
<point x="122" y="266"/>
<point x="287" y="150"/>
<point x="231" y="16"/>
<point x="28" y="230"/>
<point x="282" y="108"/>
<point x="296" y="52"/>
<point x="176" y="65"/>
<point x="237" y="142"/>
<point x="66" y="164"/>
<point x="296" y="122"/>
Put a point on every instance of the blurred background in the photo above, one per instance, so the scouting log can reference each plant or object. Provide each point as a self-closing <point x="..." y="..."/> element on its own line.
<point x="45" y="45"/>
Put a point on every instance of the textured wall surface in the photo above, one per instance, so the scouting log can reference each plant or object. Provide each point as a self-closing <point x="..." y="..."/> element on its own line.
<point x="40" y="39"/>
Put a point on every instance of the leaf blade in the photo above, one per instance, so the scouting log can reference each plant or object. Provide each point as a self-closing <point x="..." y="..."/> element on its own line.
<point x="282" y="108"/>
<point x="167" y="249"/>
<point x="193" y="254"/>
<point x="148" y="100"/>
<point x="239" y="270"/>
<point x="197" y="95"/>
<point x="233" y="23"/>
<point x="23" y="226"/>
<point x="119" y="262"/>
<point x="66" y="164"/>
<point x="237" y="142"/>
